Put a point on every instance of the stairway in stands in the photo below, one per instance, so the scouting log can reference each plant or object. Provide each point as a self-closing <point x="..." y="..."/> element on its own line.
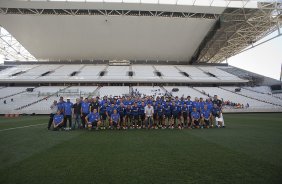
<point x="201" y="92"/>
<point x="14" y="94"/>
<point x="95" y="92"/>
<point x="166" y="91"/>
<point x="37" y="101"/>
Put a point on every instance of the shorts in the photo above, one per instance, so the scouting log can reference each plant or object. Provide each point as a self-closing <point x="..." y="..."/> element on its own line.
<point x="207" y="122"/>
<point x="94" y="123"/>
<point x="175" y="116"/>
<point x="115" y="124"/>
<point x="103" y="116"/>
<point x="218" y="119"/>
<point x="136" y="117"/>
<point x="196" y="123"/>
<point x="142" y="117"/>
<point x="161" y="116"/>
<point x="168" y="116"/>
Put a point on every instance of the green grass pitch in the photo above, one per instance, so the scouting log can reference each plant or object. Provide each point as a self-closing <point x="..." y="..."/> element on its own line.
<point x="249" y="150"/>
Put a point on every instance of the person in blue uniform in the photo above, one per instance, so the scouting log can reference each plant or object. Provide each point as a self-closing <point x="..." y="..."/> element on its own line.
<point x="160" y="113"/>
<point x="121" y="111"/>
<point x="167" y="114"/>
<point x="185" y="115"/>
<point x="60" y="105"/>
<point x="68" y="113"/>
<point x="142" y="114"/>
<point x="58" y="120"/>
<point x="93" y="119"/>
<point x="128" y="115"/>
<point x="115" y="120"/>
<point x="206" y="115"/>
<point x="196" y="104"/>
<point x="175" y="111"/>
<point x="189" y="103"/>
<point x="103" y="114"/>
<point x="216" y="112"/>
<point x="195" y="115"/>
<point x="155" y="115"/>
<point x="135" y="115"/>
<point x="85" y="109"/>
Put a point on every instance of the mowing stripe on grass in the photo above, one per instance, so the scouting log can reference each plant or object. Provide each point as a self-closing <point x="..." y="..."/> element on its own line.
<point x="22" y="127"/>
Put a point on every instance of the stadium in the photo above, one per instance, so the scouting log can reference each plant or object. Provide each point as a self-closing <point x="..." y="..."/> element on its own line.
<point x="134" y="52"/>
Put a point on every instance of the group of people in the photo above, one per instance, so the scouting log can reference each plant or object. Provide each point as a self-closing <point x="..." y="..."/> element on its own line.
<point x="135" y="112"/>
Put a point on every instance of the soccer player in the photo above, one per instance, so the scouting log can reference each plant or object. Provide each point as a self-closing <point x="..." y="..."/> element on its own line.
<point x="155" y="115"/>
<point x="94" y="104"/>
<point x="60" y="104"/>
<point x="115" y="120"/>
<point x="201" y="104"/>
<point x="58" y="121"/>
<point x="217" y="101"/>
<point x="142" y="114"/>
<point x="175" y="111"/>
<point x="195" y="115"/>
<point x="149" y="112"/>
<point x="196" y="104"/>
<point x="185" y="116"/>
<point x="121" y="111"/>
<point x="206" y="116"/>
<point x="68" y="113"/>
<point x="77" y="113"/>
<point x="167" y="114"/>
<point x="54" y="110"/>
<point x="215" y="113"/>
<point x="189" y="103"/>
<point x="93" y="120"/>
<point x="128" y="116"/>
<point x="85" y="107"/>
<point x="103" y="114"/>
<point x="110" y="110"/>
<point x="135" y="115"/>
<point x="160" y="112"/>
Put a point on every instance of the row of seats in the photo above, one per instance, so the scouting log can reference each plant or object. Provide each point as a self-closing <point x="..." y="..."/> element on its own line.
<point x="233" y="97"/>
<point x="259" y="96"/>
<point x="92" y="72"/>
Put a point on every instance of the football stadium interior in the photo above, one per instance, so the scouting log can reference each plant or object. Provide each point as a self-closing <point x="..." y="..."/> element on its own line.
<point x="85" y="48"/>
<point x="137" y="49"/>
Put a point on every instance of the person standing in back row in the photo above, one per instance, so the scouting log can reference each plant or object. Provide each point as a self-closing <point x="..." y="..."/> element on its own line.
<point x="77" y="113"/>
<point x="68" y="113"/>
<point x="149" y="112"/>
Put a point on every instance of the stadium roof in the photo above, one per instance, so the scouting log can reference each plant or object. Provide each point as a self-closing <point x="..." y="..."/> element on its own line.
<point x="177" y="30"/>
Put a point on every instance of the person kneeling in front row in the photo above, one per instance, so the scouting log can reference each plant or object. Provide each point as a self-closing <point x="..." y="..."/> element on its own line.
<point x="195" y="115"/>
<point x="58" y="121"/>
<point x="115" y="120"/>
<point x="93" y="120"/>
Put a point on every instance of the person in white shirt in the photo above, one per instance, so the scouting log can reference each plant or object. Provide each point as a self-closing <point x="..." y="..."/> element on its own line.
<point x="54" y="109"/>
<point x="149" y="112"/>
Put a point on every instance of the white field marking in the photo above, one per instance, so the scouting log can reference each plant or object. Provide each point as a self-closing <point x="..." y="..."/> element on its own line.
<point x="22" y="127"/>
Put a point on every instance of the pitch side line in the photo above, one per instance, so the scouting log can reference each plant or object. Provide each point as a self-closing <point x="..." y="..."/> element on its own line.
<point x="21" y="127"/>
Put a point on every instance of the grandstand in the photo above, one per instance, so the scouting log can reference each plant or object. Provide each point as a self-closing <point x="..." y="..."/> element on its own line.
<point x="137" y="50"/>
<point x="171" y="48"/>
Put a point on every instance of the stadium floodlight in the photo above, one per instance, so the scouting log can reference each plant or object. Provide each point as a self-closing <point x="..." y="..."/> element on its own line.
<point x="11" y="49"/>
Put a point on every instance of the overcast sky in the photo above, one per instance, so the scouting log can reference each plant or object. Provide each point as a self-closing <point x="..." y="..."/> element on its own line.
<point x="265" y="59"/>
